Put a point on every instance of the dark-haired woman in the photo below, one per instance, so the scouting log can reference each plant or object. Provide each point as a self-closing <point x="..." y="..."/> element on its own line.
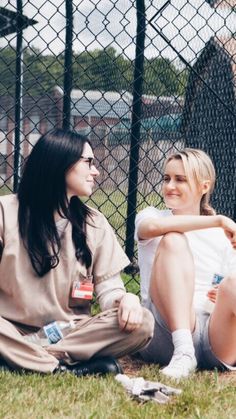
<point x="55" y="252"/>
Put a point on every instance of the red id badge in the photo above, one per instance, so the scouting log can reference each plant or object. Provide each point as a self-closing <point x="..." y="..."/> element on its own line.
<point x="82" y="289"/>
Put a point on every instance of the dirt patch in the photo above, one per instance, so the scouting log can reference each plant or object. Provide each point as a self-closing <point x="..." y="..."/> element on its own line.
<point x="131" y="366"/>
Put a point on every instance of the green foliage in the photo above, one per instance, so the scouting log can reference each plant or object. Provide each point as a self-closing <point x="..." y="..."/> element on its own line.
<point x="7" y="70"/>
<point x="162" y="78"/>
<point x="102" y="69"/>
<point x="41" y="73"/>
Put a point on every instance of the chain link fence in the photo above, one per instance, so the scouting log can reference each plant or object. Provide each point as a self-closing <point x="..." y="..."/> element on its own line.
<point x="139" y="78"/>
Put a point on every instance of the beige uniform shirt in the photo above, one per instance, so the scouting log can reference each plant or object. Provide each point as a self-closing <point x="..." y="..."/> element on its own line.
<point x="33" y="301"/>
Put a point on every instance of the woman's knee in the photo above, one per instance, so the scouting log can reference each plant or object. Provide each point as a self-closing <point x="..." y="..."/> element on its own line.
<point x="227" y="288"/>
<point x="174" y="241"/>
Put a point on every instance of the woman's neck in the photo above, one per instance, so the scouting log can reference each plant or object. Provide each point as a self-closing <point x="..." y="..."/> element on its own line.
<point x="186" y="212"/>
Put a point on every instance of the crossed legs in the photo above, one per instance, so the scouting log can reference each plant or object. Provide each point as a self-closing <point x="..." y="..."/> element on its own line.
<point x="97" y="336"/>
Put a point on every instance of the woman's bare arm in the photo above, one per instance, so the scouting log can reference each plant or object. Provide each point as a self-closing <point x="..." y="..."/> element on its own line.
<point x="153" y="227"/>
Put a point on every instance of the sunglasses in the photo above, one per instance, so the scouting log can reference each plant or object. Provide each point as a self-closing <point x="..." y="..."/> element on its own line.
<point x="89" y="160"/>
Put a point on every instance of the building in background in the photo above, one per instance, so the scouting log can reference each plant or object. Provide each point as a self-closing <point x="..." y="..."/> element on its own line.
<point x="105" y="117"/>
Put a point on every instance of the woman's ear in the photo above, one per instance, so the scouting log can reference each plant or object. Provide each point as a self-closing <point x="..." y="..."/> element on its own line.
<point x="205" y="186"/>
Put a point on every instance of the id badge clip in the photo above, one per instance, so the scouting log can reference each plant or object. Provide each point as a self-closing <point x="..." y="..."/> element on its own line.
<point x="83" y="288"/>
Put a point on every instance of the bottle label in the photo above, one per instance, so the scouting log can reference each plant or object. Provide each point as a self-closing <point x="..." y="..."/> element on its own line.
<point x="217" y="278"/>
<point x="209" y="305"/>
<point x="53" y="332"/>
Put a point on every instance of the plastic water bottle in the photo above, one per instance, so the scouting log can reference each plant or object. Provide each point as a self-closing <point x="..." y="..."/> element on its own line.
<point x="51" y="333"/>
<point x="209" y="305"/>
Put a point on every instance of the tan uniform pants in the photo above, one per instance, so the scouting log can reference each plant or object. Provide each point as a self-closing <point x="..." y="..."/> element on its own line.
<point x="93" y="336"/>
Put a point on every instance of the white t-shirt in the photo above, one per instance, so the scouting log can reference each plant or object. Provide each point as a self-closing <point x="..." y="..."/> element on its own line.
<point x="212" y="254"/>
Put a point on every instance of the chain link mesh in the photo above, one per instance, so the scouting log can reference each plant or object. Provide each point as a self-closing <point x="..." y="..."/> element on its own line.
<point x="141" y="78"/>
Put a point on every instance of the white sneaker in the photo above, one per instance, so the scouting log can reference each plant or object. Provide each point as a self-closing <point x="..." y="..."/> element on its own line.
<point x="180" y="366"/>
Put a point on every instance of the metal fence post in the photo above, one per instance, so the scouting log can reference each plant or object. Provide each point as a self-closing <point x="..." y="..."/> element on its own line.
<point x="68" y="71"/>
<point x="135" y="128"/>
<point x="18" y="95"/>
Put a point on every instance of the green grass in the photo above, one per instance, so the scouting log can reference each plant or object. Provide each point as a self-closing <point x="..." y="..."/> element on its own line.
<point x="206" y="395"/>
<point x="113" y="204"/>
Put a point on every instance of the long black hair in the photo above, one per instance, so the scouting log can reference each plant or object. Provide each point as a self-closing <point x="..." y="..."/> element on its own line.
<point x="42" y="192"/>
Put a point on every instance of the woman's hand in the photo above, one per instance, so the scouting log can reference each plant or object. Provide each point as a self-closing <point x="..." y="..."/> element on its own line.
<point x="229" y="227"/>
<point x="130" y="313"/>
<point x="212" y="293"/>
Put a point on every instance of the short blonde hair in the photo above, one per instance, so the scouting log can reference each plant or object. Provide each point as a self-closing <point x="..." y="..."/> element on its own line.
<point x="198" y="166"/>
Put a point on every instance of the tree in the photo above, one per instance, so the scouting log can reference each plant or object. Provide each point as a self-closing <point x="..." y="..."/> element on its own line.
<point x="102" y="69"/>
<point x="162" y="78"/>
<point x="7" y="70"/>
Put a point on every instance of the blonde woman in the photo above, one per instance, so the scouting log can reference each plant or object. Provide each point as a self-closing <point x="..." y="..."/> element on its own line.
<point x="183" y="253"/>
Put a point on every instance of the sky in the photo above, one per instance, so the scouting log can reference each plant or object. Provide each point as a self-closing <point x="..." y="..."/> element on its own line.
<point x="101" y="23"/>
